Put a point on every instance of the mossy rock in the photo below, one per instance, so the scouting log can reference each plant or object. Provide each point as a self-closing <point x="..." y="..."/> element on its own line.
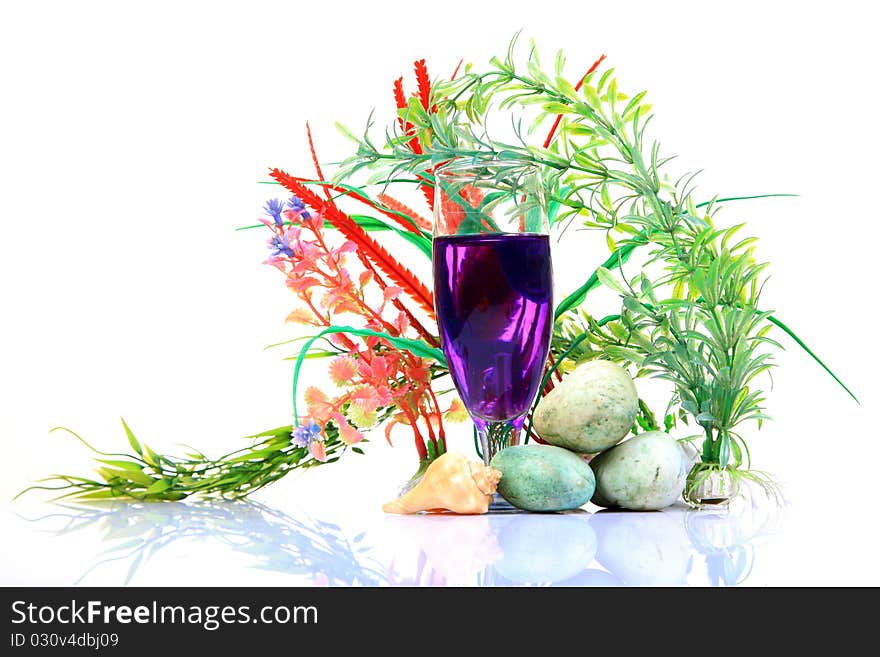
<point x="590" y="410"/>
<point x="543" y="478"/>
<point x="645" y="473"/>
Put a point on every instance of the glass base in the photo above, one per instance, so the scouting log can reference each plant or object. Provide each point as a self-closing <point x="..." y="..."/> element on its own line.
<point x="497" y="435"/>
<point x="500" y="505"/>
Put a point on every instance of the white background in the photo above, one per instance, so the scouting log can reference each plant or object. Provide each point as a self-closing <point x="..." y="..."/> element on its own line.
<point x="133" y="137"/>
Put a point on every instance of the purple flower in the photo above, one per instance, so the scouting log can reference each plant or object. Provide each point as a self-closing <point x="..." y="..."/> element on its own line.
<point x="304" y="436"/>
<point x="274" y="208"/>
<point x="297" y="205"/>
<point x="281" y="244"/>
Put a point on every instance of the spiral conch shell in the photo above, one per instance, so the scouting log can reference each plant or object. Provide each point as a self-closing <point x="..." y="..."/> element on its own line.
<point x="452" y="483"/>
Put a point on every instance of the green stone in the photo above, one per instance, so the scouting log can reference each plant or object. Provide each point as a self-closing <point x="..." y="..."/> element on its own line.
<point x="543" y="478"/>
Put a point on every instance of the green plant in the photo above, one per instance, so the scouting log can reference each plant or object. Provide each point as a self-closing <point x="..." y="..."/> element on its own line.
<point x="146" y="475"/>
<point x="691" y="313"/>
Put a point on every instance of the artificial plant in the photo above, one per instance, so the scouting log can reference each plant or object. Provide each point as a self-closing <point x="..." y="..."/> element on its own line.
<point x="689" y="314"/>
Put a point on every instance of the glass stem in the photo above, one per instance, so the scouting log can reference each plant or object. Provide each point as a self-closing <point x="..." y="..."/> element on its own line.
<point x="496" y="435"/>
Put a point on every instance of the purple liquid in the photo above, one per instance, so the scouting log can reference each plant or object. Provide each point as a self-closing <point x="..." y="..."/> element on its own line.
<point x="493" y="295"/>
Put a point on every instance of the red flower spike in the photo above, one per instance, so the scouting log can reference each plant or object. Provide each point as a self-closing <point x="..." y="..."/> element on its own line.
<point x="408" y="128"/>
<point x="389" y="212"/>
<point x="577" y="87"/>
<point x="424" y="82"/>
<point x="327" y="187"/>
<point x="366" y="244"/>
<point x="428" y="191"/>
<point x="399" y="96"/>
<point x="397" y="206"/>
<point x="592" y="69"/>
<point x="400" y="102"/>
<point x="414" y="144"/>
<point x="315" y="160"/>
<point x="457" y="66"/>
<point x="424" y="96"/>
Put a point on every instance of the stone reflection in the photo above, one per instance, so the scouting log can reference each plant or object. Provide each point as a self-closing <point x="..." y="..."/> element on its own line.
<point x="495" y="550"/>
<point x="643" y="548"/>
<point x="607" y="548"/>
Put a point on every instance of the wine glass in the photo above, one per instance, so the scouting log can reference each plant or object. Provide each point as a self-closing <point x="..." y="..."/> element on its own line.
<point x="493" y="291"/>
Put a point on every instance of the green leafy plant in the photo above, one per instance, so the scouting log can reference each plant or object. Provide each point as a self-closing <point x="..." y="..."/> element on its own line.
<point x="691" y="313"/>
<point x="145" y="475"/>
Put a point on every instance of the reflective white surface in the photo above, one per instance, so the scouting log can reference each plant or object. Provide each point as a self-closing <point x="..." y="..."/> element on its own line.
<point x="252" y="543"/>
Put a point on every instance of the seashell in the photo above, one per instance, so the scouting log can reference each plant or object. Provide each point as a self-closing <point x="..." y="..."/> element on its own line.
<point x="451" y="483"/>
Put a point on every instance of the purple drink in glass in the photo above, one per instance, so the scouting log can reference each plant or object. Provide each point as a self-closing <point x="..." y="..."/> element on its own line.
<point x="493" y="291"/>
<point x="493" y="295"/>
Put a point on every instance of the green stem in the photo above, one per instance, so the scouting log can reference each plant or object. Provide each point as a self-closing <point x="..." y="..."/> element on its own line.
<point x="708" y="447"/>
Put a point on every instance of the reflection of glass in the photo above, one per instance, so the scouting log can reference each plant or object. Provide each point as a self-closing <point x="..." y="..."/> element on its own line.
<point x="450" y="549"/>
<point x="498" y="549"/>
<point x="493" y="289"/>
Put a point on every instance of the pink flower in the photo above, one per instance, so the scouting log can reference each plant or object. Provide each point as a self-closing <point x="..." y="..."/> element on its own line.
<point x="300" y="284"/>
<point x="320" y="407"/>
<point x="348" y="434"/>
<point x="373" y="374"/>
<point x="391" y="292"/>
<point x="365" y="397"/>
<point x="318" y="450"/>
<point x="342" y="370"/>
<point x="275" y="261"/>
<point x="401" y="322"/>
<point x="418" y="371"/>
<point x="300" y="316"/>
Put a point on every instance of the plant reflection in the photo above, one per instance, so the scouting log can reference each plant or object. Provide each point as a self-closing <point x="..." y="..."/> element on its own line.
<point x="672" y="547"/>
<point x="279" y="542"/>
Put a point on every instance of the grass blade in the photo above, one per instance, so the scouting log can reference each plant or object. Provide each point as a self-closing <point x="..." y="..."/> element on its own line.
<point x="577" y="297"/>
<point x="745" y="198"/>
<point x="803" y="346"/>
<point x="415" y="347"/>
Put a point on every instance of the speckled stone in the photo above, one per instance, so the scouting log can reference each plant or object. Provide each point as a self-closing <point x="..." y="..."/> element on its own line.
<point x="645" y="473"/>
<point x="543" y="478"/>
<point x="592" y="409"/>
